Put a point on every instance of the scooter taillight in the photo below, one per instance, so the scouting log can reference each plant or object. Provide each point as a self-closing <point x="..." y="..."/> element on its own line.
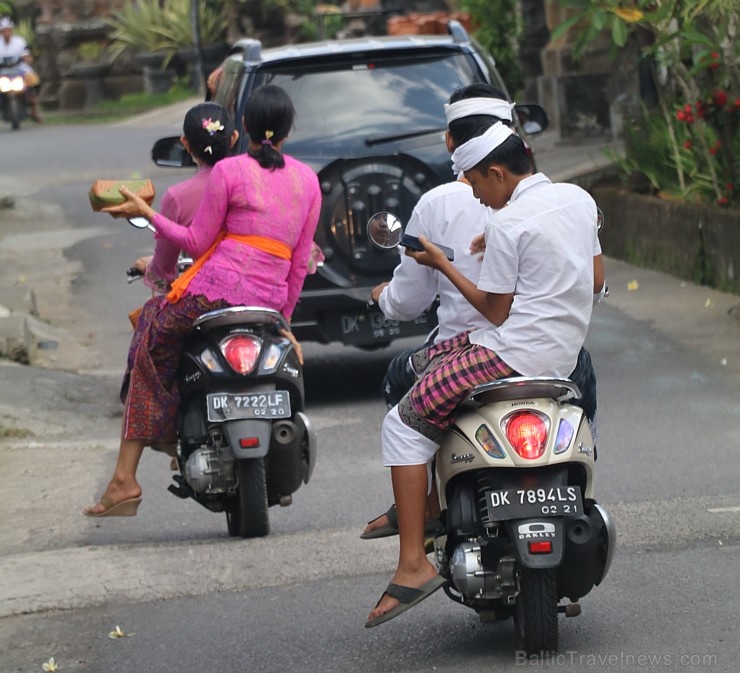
<point x="527" y="433"/>
<point x="241" y="352"/>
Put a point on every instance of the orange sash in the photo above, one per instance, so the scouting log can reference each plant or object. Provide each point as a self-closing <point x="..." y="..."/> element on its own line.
<point x="268" y="245"/>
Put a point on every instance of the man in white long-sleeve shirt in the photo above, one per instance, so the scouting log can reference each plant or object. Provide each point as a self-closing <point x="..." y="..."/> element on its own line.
<point x="452" y="216"/>
<point x="449" y="215"/>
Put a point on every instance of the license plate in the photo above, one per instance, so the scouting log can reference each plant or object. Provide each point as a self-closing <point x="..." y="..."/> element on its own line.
<point x="524" y="503"/>
<point x="232" y="406"/>
<point x="362" y="328"/>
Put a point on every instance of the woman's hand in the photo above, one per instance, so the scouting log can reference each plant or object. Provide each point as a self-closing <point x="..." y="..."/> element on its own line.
<point x="141" y="264"/>
<point x="291" y="337"/>
<point x="133" y="206"/>
<point x="432" y="256"/>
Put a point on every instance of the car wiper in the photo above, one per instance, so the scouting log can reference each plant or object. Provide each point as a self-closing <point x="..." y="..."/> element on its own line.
<point x="379" y="140"/>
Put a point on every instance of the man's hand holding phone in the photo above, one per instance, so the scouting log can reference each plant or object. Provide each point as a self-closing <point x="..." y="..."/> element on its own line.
<point x="413" y="243"/>
<point x="427" y="253"/>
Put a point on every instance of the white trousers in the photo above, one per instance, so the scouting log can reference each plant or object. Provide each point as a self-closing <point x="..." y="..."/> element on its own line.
<point x="403" y="446"/>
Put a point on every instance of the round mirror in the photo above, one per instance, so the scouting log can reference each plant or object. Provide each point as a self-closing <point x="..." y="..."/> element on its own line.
<point x="384" y="230"/>
<point x="140" y="223"/>
<point x="599" y="219"/>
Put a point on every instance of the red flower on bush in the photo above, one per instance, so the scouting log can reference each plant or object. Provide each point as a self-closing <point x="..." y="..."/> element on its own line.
<point x="720" y="98"/>
<point x="715" y="60"/>
<point x="687" y="144"/>
<point x="723" y="201"/>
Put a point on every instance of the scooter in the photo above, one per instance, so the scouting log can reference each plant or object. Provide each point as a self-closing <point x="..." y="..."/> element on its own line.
<point x="12" y="92"/>
<point x="244" y="442"/>
<point x="521" y="528"/>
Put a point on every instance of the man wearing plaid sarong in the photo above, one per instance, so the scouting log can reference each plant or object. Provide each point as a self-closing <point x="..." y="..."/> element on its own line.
<point x="541" y="268"/>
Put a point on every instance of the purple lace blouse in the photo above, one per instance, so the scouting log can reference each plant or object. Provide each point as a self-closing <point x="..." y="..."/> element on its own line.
<point x="243" y="198"/>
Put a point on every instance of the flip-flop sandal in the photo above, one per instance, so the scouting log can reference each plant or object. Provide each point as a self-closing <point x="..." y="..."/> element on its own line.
<point x="408" y="597"/>
<point x="391" y="528"/>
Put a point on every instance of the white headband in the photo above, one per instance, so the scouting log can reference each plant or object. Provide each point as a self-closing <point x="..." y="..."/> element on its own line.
<point x="471" y="153"/>
<point x="495" y="107"/>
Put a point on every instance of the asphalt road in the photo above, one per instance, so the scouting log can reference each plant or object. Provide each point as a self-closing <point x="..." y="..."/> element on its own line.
<point x="667" y="356"/>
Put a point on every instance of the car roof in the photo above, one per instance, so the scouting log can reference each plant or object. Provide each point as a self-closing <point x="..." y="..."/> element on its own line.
<point x="251" y="50"/>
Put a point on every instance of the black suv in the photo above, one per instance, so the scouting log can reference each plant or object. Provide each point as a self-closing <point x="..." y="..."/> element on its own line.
<point x="370" y="122"/>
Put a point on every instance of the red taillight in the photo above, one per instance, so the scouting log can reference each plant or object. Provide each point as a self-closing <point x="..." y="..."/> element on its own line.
<point x="249" y="442"/>
<point x="241" y="352"/>
<point x="527" y="434"/>
<point x="544" y="547"/>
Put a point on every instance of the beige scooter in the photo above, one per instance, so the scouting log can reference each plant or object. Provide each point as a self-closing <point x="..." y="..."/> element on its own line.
<point x="522" y="534"/>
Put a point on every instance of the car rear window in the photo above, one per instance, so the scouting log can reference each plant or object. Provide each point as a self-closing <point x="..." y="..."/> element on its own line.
<point x="366" y="102"/>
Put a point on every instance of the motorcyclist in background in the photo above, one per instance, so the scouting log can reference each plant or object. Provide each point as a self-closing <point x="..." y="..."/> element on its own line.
<point x="15" y="47"/>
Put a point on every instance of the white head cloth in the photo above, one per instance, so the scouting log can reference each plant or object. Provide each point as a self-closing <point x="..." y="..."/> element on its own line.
<point x="495" y="107"/>
<point x="471" y="153"/>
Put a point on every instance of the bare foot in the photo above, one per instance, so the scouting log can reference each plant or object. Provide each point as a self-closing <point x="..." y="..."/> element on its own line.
<point x="415" y="580"/>
<point x="114" y="494"/>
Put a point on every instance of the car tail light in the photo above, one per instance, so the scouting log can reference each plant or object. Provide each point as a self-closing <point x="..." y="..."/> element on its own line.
<point x="542" y="547"/>
<point x="241" y="352"/>
<point x="527" y="433"/>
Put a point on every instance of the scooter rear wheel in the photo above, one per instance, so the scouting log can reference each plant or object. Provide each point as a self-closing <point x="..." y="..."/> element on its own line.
<point x="536" y="612"/>
<point x="248" y="515"/>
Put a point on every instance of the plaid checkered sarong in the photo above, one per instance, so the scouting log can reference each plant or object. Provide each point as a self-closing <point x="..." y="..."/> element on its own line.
<point x="448" y="371"/>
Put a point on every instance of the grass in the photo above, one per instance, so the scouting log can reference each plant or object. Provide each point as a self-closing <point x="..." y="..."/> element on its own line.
<point x="15" y="433"/>
<point x="115" y="110"/>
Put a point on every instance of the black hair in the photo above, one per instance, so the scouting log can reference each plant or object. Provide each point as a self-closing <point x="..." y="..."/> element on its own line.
<point x="464" y="129"/>
<point x="511" y="154"/>
<point x="208" y="144"/>
<point x="268" y="119"/>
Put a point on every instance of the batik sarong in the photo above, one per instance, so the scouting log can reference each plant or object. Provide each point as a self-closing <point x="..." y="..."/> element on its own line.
<point x="150" y="386"/>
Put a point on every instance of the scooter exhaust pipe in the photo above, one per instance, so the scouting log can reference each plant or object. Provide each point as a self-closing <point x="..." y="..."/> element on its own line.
<point x="285" y="467"/>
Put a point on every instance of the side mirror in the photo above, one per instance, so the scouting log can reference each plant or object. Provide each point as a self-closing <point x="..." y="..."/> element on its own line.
<point x="532" y="118"/>
<point x="140" y="223"/>
<point x="170" y="152"/>
<point x="384" y="230"/>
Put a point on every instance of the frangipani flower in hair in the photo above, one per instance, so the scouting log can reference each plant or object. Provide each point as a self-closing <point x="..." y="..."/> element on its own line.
<point x="211" y="126"/>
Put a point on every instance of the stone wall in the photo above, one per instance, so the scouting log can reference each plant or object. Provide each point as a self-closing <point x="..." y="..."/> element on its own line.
<point x="698" y="243"/>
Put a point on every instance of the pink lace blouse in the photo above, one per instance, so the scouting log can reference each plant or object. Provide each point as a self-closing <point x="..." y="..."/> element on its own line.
<point x="179" y="204"/>
<point x="241" y="197"/>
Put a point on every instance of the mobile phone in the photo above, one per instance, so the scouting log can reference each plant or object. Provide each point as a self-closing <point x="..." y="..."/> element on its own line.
<point x="412" y="242"/>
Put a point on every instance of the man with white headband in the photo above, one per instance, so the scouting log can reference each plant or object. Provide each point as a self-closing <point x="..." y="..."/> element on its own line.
<point x="541" y="268"/>
<point x="450" y="215"/>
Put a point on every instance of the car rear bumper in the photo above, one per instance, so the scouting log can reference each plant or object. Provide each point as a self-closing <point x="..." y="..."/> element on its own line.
<point x="343" y="315"/>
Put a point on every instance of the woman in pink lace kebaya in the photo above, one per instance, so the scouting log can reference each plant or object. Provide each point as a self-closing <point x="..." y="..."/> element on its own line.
<point x="253" y="232"/>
